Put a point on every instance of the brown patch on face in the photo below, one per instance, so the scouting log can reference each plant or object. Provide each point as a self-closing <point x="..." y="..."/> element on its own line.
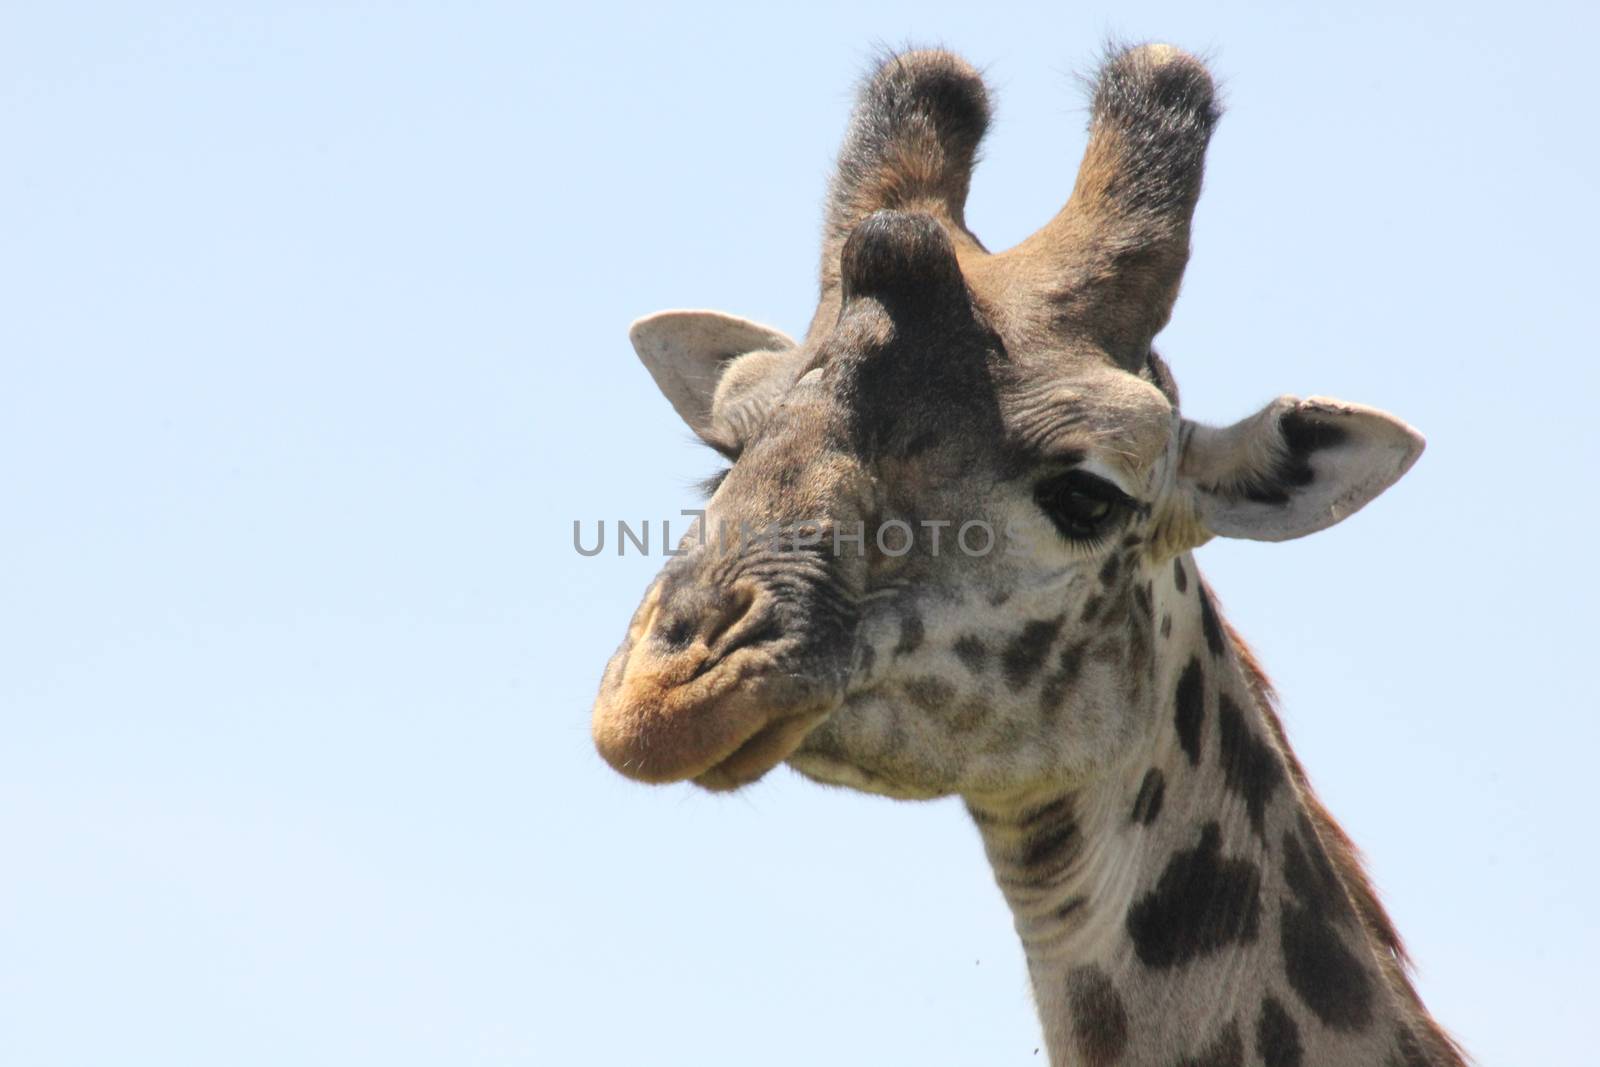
<point x="1059" y="684"/>
<point x="972" y="713"/>
<point x="1026" y="652"/>
<point x="1110" y="651"/>
<point x="1110" y="569"/>
<point x="1091" y="609"/>
<point x="894" y="734"/>
<point x="972" y="652"/>
<point x="1139" y="650"/>
<point x="929" y="694"/>
<point x="911" y="634"/>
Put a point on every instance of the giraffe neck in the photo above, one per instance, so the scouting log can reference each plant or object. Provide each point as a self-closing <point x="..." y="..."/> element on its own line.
<point x="1195" y="905"/>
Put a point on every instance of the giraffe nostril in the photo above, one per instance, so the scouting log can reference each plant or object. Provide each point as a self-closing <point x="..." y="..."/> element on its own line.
<point x="707" y="619"/>
<point x="731" y="609"/>
<point x="677" y="633"/>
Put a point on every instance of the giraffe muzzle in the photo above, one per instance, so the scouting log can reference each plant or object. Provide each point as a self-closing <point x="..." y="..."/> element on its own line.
<point x="714" y="687"/>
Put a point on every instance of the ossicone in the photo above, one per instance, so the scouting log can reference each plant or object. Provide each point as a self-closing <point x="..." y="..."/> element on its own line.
<point x="901" y="259"/>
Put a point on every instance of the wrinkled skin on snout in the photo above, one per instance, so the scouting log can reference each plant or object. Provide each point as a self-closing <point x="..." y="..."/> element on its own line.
<point x="941" y="388"/>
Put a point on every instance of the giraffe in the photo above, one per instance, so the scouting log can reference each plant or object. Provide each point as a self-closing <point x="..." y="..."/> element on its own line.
<point x="1181" y="895"/>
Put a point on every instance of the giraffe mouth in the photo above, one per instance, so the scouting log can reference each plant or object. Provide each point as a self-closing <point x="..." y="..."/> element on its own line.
<point x="720" y="724"/>
<point x="718" y="687"/>
<point x="768" y="747"/>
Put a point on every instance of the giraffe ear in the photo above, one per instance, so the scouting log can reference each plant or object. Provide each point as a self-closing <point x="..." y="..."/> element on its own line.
<point x="720" y="372"/>
<point x="1293" y="468"/>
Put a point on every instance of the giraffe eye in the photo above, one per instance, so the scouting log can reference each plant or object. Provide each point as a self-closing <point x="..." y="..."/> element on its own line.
<point x="1081" y="505"/>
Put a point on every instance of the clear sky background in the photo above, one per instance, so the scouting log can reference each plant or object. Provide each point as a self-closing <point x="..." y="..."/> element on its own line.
<point x="312" y="347"/>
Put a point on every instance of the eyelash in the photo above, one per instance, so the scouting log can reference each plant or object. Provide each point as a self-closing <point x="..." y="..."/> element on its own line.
<point x="709" y="486"/>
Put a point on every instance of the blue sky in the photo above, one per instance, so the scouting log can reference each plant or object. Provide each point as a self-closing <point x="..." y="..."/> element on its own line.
<point x="312" y="346"/>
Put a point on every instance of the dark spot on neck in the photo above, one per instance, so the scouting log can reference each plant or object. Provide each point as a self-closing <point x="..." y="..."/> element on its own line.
<point x="1323" y="972"/>
<point x="1051" y="839"/>
<point x="1408" y="1051"/>
<point x="1180" y="577"/>
<point x="1070" y="908"/>
<point x="1277" y="1036"/>
<point x="1203" y="902"/>
<point x="1311" y="877"/>
<point x="1190" y="709"/>
<point x="1225" y="1050"/>
<point x="1031" y="848"/>
<point x="1250" y="768"/>
<point x="1210" y="623"/>
<point x="1152" y="791"/>
<point x="1099" y="1019"/>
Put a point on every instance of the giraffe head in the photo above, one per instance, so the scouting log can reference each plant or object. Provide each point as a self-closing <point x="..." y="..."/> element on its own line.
<point x="930" y="566"/>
